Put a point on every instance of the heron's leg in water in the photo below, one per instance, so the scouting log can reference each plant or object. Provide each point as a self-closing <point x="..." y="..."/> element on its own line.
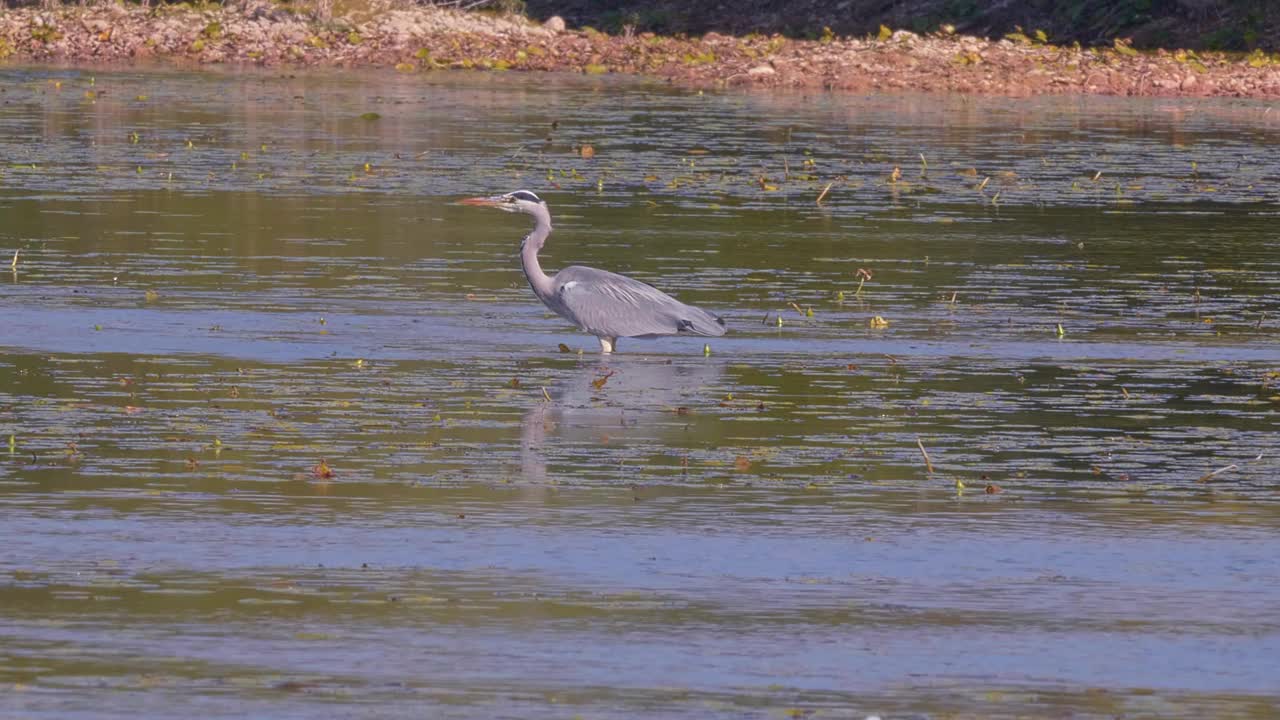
<point x="607" y="344"/>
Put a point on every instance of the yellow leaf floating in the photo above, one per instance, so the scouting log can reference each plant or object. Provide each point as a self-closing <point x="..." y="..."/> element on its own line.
<point x="322" y="471"/>
<point x="878" y="323"/>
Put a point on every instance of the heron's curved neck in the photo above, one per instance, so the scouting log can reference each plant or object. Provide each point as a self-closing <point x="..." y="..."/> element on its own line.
<point x="538" y="280"/>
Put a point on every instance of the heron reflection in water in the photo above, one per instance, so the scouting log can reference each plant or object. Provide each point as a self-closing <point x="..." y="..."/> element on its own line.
<point x="634" y="402"/>
<point x="605" y="304"/>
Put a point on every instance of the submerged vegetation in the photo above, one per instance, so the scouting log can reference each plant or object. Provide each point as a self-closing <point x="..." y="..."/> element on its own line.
<point x="412" y="38"/>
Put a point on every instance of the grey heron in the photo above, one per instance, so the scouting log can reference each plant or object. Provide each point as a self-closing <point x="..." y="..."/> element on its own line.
<point x="605" y="304"/>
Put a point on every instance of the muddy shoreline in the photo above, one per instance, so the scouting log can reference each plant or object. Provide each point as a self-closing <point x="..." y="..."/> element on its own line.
<point x="426" y="39"/>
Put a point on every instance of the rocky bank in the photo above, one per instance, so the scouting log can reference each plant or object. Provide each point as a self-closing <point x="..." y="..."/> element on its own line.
<point x="413" y="39"/>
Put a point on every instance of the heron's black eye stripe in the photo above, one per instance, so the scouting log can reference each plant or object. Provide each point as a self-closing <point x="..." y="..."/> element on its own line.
<point x="524" y="195"/>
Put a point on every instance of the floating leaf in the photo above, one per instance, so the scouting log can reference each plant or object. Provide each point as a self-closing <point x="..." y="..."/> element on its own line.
<point x="599" y="382"/>
<point x="878" y="323"/>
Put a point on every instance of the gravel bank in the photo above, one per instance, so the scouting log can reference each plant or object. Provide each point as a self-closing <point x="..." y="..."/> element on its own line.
<point x="423" y="39"/>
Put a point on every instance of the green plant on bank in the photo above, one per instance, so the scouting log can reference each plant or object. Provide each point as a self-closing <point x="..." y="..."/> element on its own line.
<point x="1259" y="59"/>
<point x="1190" y="59"/>
<point x="1124" y="48"/>
<point x="1039" y="37"/>
<point x="45" y="33"/>
<point x="702" y="58"/>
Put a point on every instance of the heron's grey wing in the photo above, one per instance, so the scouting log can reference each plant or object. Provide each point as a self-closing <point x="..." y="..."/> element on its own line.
<point x="612" y="305"/>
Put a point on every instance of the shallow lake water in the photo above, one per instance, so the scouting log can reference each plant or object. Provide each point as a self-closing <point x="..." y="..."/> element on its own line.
<point x="284" y="433"/>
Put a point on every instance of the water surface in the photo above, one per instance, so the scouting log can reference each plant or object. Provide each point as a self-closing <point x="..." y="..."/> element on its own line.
<point x="292" y="437"/>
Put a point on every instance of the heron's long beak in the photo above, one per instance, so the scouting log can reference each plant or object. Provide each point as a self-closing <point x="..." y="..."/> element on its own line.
<point x="483" y="201"/>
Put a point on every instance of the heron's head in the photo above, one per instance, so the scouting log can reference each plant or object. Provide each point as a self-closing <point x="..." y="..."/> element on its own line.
<point x="521" y="201"/>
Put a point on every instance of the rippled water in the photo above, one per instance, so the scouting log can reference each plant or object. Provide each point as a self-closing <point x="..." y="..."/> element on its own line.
<point x="291" y="437"/>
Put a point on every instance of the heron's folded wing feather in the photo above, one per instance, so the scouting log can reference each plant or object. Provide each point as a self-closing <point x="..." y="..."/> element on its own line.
<point x="605" y="303"/>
